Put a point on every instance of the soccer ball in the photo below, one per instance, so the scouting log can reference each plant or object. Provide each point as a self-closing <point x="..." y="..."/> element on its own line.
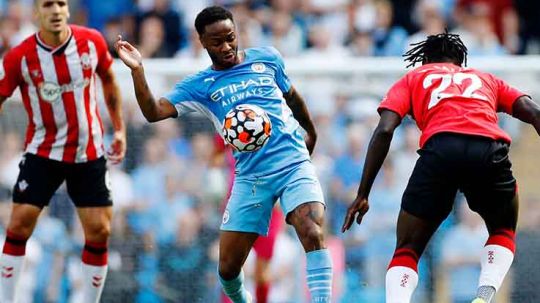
<point x="247" y="128"/>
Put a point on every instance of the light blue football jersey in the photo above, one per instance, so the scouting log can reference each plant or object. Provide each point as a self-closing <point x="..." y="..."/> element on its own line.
<point x="259" y="80"/>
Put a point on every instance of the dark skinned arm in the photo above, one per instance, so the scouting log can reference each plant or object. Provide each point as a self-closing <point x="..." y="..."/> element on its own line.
<point x="377" y="151"/>
<point x="153" y="111"/>
<point x="300" y="112"/>
<point x="2" y="100"/>
<point x="526" y="110"/>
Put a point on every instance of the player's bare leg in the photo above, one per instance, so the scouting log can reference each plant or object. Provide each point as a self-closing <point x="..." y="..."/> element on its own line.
<point x="264" y="250"/>
<point x="96" y="223"/>
<point x="498" y="253"/>
<point x="308" y="220"/>
<point x="413" y="235"/>
<point x="262" y="279"/>
<point x="21" y="224"/>
<point x="234" y="248"/>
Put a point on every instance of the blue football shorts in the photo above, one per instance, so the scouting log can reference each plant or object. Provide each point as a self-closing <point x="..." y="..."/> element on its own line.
<point x="252" y="198"/>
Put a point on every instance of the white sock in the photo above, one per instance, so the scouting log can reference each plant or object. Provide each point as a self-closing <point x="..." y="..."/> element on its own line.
<point x="401" y="282"/>
<point x="93" y="282"/>
<point x="11" y="267"/>
<point x="496" y="261"/>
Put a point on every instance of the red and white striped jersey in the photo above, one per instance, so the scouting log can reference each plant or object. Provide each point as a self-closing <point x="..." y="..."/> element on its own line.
<point x="58" y="88"/>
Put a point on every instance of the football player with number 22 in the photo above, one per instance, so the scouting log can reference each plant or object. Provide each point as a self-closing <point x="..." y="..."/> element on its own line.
<point x="461" y="148"/>
<point x="249" y="98"/>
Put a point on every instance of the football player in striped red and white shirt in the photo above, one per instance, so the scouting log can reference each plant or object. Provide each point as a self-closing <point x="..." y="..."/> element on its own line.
<point x="56" y="70"/>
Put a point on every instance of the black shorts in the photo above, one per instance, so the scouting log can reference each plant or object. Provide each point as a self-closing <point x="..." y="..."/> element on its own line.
<point x="39" y="178"/>
<point x="477" y="166"/>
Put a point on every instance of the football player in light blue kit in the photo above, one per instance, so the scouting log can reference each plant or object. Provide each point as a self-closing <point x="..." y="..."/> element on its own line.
<point x="280" y="169"/>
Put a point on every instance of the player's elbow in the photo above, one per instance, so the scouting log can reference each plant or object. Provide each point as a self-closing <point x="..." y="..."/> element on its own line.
<point x="535" y="116"/>
<point x="151" y="118"/>
<point x="385" y="130"/>
<point x="152" y="112"/>
<point x="387" y="124"/>
<point x="150" y="115"/>
<point x="526" y="110"/>
<point x="383" y="135"/>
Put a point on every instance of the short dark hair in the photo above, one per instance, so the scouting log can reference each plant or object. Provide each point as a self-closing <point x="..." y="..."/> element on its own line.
<point x="438" y="48"/>
<point x="211" y="15"/>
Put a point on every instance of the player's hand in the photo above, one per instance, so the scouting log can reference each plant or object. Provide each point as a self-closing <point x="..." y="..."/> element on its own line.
<point x="310" y="142"/>
<point x="117" y="151"/>
<point x="358" y="209"/>
<point x="128" y="53"/>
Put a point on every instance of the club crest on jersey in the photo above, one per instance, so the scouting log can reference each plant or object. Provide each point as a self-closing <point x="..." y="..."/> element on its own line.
<point x="258" y="67"/>
<point x="35" y="74"/>
<point x="85" y="61"/>
<point x="226" y="217"/>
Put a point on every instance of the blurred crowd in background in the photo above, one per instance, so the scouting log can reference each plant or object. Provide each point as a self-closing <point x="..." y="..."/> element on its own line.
<point x="164" y="28"/>
<point x="169" y="191"/>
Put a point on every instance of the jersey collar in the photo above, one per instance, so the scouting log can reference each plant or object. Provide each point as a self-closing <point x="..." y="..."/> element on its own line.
<point x="54" y="50"/>
<point x="244" y="58"/>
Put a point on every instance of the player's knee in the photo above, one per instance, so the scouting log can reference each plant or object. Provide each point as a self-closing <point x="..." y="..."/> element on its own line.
<point x="311" y="233"/>
<point x="98" y="232"/>
<point x="228" y="270"/>
<point x="262" y="271"/>
<point x="262" y="278"/>
<point x="21" y="226"/>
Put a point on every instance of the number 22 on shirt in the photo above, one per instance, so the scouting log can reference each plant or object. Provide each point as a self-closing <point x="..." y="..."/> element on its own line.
<point x="453" y="85"/>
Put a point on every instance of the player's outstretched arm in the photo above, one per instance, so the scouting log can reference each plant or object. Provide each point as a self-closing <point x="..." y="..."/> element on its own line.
<point x="300" y="112"/>
<point x="153" y="111"/>
<point x="377" y="151"/>
<point x="526" y="110"/>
